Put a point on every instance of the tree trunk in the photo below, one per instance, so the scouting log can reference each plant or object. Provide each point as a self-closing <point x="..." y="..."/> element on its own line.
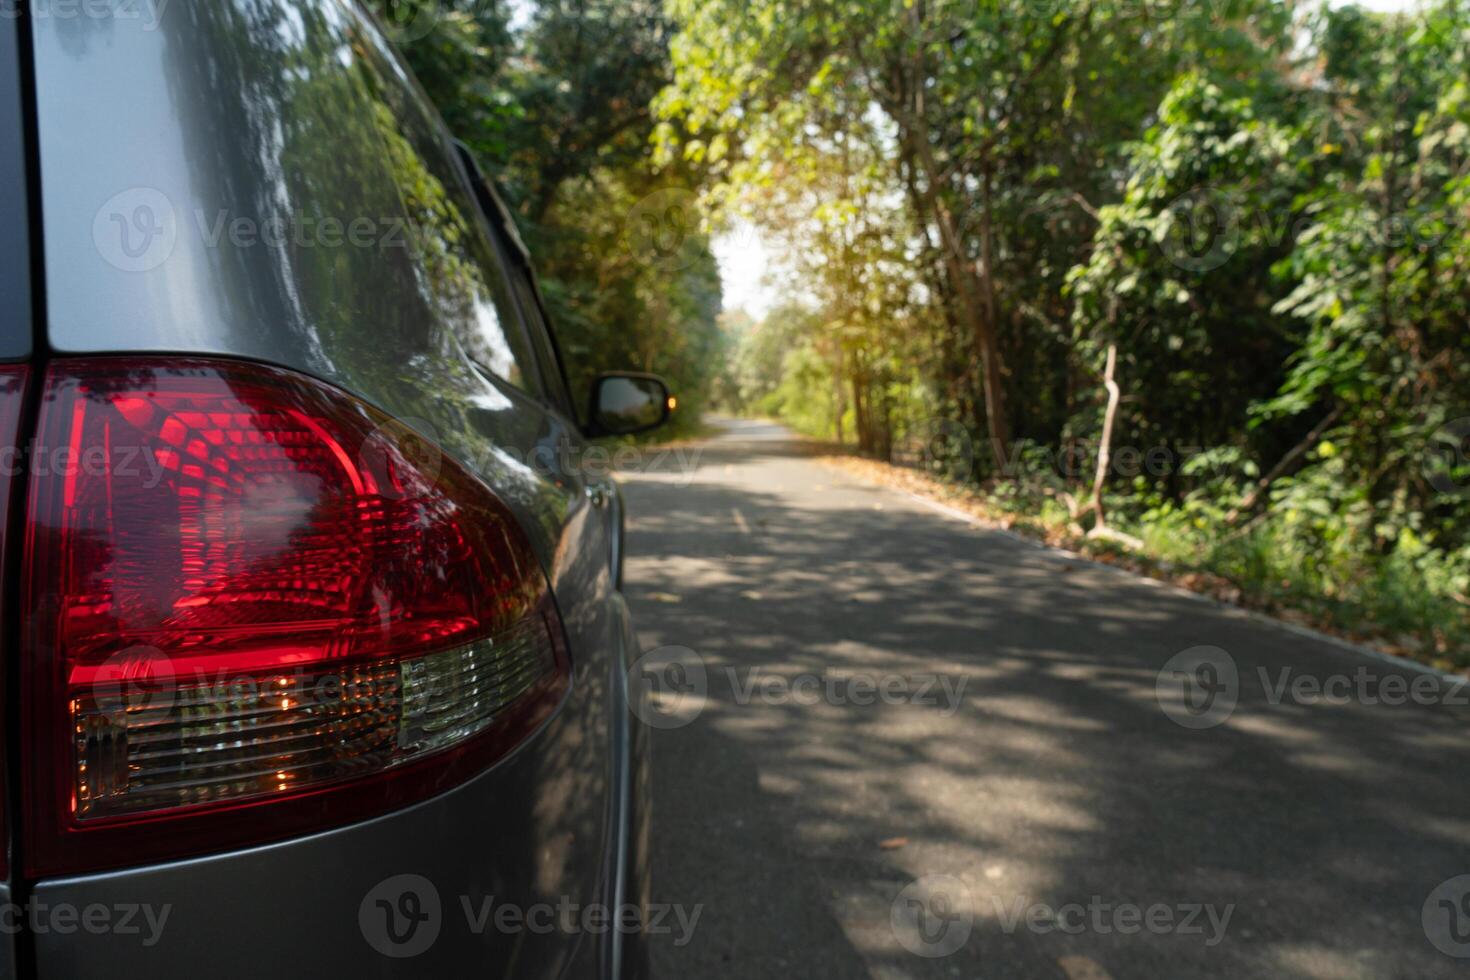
<point x="1105" y="448"/>
<point x="972" y="307"/>
<point x="839" y="398"/>
<point x="1000" y="429"/>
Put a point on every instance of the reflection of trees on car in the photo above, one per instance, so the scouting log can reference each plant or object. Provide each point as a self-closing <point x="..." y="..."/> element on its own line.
<point x="558" y="112"/>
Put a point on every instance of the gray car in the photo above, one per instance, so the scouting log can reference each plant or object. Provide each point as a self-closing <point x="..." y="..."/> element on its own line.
<point x="316" y="659"/>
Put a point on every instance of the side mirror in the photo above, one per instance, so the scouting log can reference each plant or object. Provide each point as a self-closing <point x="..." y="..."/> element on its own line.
<point x="625" y="403"/>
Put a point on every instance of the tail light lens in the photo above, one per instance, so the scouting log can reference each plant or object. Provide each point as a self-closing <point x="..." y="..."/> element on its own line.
<point x="253" y="611"/>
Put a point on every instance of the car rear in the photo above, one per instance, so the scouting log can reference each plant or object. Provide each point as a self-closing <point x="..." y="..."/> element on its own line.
<point x="307" y="671"/>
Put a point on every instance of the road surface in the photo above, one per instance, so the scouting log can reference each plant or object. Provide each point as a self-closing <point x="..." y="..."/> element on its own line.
<point x="923" y="749"/>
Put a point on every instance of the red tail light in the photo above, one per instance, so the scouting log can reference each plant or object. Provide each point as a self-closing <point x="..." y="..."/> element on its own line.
<point x="251" y="614"/>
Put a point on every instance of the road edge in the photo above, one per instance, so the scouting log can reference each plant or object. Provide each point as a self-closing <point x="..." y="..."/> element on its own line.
<point x="1230" y="607"/>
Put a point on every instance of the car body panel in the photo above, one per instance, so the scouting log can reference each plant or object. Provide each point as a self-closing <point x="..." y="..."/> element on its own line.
<point x="7" y="947"/>
<point x="15" y="223"/>
<point x="15" y="333"/>
<point x="159" y="140"/>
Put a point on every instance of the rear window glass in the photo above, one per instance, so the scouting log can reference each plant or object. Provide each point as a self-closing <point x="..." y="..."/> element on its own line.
<point x="258" y="177"/>
<point x="541" y="339"/>
<point x="448" y="227"/>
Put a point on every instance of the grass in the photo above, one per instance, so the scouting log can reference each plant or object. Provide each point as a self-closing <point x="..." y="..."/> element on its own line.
<point x="1402" y="602"/>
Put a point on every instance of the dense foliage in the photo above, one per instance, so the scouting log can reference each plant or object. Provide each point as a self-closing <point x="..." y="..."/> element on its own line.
<point x="554" y="99"/>
<point x="1261" y="210"/>
<point x="1258" y="211"/>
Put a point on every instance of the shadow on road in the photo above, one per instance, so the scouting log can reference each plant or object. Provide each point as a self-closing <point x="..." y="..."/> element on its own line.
<point x="1058" y="779"/>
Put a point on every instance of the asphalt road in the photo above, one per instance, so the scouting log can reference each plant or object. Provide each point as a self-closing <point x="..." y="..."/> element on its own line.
<point x="835" y="817"/>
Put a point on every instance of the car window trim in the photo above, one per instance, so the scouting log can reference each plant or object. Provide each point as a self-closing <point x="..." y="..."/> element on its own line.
<point x="535" y="387"/>
<point x="559" y="392"/>
<point x="556" y="389"/>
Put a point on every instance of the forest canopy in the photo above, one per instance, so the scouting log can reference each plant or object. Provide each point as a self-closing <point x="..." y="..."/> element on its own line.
<point x="1258" y="213"/>
<point x="1195" y="273"/>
